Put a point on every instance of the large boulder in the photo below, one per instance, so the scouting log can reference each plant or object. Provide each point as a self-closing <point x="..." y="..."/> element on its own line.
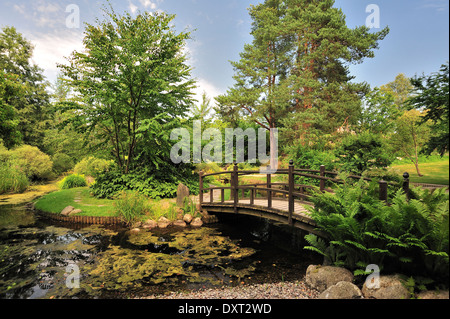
<point x="66" y="211"/>
<point x="342" y="290"/>
<point x="390" y="287"/>
<point x="322" y="277"/>
<point x="182" y="193"/>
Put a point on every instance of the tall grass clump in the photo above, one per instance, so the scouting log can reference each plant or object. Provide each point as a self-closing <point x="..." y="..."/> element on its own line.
<point x="73" y="181"/>
<point x="12" y="179"/>
<point x="130" y="206"/>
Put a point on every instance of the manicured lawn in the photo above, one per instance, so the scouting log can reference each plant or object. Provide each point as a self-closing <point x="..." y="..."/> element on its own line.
<point x="79" y="198"/>
<point x="434" y="173"/>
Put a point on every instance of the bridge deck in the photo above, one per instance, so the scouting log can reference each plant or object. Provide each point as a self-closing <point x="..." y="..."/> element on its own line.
<point x="279" y="210"/>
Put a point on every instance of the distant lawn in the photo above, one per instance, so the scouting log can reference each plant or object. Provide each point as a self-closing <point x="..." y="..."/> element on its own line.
<point x="79" y="198"/>
<point x="433" y="173"/>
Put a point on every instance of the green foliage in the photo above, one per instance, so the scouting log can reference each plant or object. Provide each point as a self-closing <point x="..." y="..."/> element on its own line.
<point x="73" y="181"/>
<point x="10" y="87"/>
<point x="433" y="95"/>
<point x="91" y="166"/>
<point x="12" y="179"/>
<point x="129" y="206"/>
<point x="35" y="164"/>
<point x="143" y="72"/>
<point x="408" y="236"/>
<point x="358" y="152"/>
<point x="152" y="183"/>
<point x="61" y="163"/>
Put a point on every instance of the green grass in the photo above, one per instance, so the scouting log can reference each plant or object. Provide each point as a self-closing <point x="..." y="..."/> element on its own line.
<point x="433" y="172"/>
<point x="55" y="202"/>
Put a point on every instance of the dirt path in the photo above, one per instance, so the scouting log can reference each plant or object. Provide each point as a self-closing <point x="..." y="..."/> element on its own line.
<point x="31" y="193"/>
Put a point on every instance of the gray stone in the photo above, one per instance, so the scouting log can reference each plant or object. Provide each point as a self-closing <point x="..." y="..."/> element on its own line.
<point x="179" y="223"/>
<point x="323" y="277"/>
<point x="75" y="211"/>
<point x="182" y="193"/>
<point x="390" y="287"/>
<point x="188" y="218"/>
<point x="163" y="222"/>
<point x="67" y="210"/>
<point x="342" y="290"/>
<point x="197" y="222"/>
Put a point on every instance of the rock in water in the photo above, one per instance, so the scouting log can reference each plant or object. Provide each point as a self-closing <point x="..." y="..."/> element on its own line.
<point x="188" y="218"/>
<point x="182" y="193"/>
<point x="197" y="222"/>
<point x="163" y="222"/>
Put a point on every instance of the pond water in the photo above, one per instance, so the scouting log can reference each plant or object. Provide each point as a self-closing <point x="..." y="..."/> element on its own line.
<point x="44" y="259"/>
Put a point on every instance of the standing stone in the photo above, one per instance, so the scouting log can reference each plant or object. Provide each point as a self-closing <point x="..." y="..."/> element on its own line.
<point x="182" y="193"/>
<point x="66" y="211"/>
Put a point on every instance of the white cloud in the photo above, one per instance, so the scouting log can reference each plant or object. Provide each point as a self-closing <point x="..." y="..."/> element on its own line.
<point x="132" y="7"/>
<point x="51" y="49"/>
<point x="148" y="3"/>
<point x="211" y="90"/>
<point x="19" y="8"/>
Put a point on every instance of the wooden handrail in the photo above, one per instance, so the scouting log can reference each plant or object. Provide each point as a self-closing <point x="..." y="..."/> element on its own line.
<point x="291" y="193"/>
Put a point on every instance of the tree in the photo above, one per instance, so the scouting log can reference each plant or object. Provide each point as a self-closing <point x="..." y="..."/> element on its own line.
<point x="411" y="134"/>
<point x="132" y="70"/>
<point x="10" y="88"/>
<point x="432" y="95"/>
<point x="296" y="71"/>
<point x="31" y="106"/>
<point x="401" y="89"/>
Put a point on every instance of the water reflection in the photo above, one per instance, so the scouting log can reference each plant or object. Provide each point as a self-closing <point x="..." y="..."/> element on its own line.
<point x="114" y="263"/>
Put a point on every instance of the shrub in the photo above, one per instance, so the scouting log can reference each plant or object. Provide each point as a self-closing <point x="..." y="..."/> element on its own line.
<point x="35" y="164"/>
<point x="73" y="181"/>
<point x="62" y="163"/>
<point x="129" y="206"/>
<point x="357" y="153"/>
<point x="151" y="183"/>
<point x="12" y="179"/>
<point x="91" y="166"/>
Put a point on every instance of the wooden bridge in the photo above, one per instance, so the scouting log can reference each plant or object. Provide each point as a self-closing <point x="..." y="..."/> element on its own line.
<point x="285" y="202"/>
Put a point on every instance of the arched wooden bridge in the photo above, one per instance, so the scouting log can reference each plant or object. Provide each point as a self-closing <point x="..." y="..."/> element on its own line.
<point x="284" y="202"/>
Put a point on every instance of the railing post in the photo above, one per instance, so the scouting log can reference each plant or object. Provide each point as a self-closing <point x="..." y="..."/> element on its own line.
<point x="252" y="196"/>
<point x="211" y="196"/>
<point x="200" y="199"/>
<point x="291" y="191"/>
<point x="322" y="181"/>
<point x="383" y="190"/>
<point x="235" y="187"/>
<point x="406" y="185"/>
<point x="269" y="185"/>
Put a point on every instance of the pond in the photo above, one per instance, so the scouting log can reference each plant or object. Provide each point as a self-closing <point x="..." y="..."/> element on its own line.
<point x="44" y="259"/>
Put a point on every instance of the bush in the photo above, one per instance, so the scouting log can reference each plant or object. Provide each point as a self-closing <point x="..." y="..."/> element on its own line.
<point x="12" y="179"/>
<point x="62" y="163"/>
<point x="91" y="166"/>
<point x="35" y="164"/>
<point x="357" y="153"/>
<point x="129" y="206"/>
<point x="154" y="184"/>
<point x="73" y="181"/>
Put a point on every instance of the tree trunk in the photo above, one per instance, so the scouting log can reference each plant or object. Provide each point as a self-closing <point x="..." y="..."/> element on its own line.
<point x="273" y="149"/>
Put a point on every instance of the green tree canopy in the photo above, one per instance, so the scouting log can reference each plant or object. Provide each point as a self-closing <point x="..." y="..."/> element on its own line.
<point x="432" y="95"/>
<point x="132" y="70"/>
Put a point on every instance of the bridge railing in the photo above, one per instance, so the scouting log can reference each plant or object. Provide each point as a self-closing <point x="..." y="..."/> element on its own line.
<point x="290" y="191"/>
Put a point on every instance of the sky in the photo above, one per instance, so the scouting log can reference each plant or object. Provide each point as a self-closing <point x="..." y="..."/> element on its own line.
<point x="417" y="43"/>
